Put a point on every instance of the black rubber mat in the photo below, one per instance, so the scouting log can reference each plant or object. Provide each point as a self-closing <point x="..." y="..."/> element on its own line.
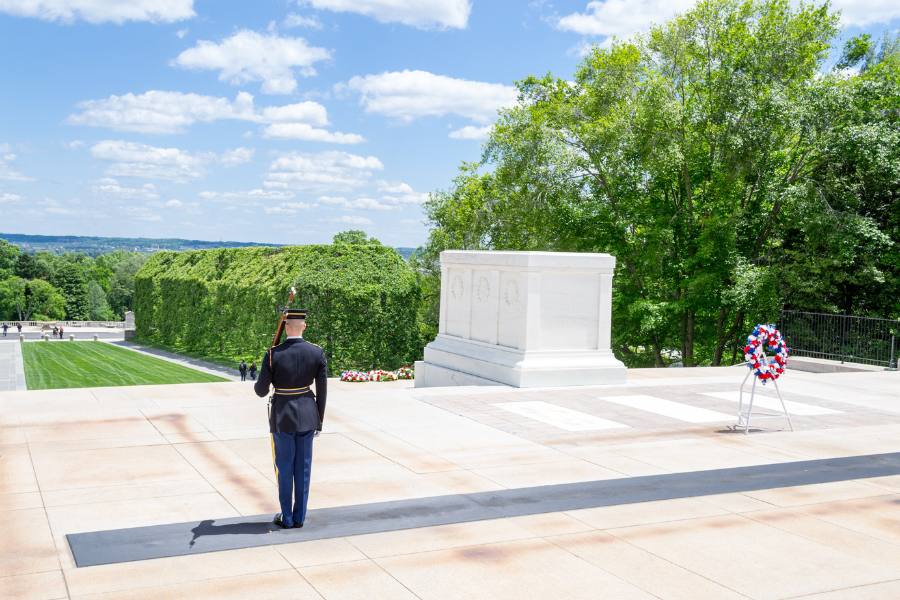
<point x="141" y="543"/>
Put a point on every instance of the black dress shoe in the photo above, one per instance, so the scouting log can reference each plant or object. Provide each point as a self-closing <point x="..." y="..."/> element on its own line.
<point x="298" y="525"/>
<point x="277" y="520"/>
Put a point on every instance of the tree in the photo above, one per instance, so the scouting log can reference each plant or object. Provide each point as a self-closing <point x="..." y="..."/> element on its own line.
<point x="702" y="154"/>
<point x="9" y="253"/>
<point x="72" y="284"/>
<point x="35" y="298"/>
<point x="98" y="308"/>
<point x="121" y="286"/>
<point x="354" y="236"/>
<point x="27" y="268"/>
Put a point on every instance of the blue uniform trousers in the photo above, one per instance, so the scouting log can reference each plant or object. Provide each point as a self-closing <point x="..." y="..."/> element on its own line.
<point x="293" y="461"/>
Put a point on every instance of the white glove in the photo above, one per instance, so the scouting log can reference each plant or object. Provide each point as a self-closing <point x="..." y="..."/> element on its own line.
<point x="316" y="434"/>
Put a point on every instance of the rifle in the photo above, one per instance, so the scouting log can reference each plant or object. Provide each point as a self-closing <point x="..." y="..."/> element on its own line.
<point x="280" y="329"/>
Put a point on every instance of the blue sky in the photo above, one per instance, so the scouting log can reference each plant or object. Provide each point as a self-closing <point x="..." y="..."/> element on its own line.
<point x="281" y="122"/>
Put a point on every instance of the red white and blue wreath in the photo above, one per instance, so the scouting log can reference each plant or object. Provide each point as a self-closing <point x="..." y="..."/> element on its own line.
<point x="754" y="353"/>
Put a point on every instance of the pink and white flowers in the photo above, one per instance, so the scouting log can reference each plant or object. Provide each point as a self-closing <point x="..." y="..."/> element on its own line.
<point x="378" y="375"/>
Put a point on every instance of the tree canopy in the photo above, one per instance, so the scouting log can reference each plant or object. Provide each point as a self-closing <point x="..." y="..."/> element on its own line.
<point x="726" y="171"/>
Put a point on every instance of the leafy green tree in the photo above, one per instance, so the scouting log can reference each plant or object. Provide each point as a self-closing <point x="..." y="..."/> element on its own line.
<point x="354" y="236"/>
<point x="9" y="253"/>
<point x="863" y="51"/>
<point x="72" y="284"/>
<point x="27" y="267"/>
<point x="121" y="287"/>
<point x="31" y="299"/>
<point x="97" y="306"/>
<point x="704" y="155"/>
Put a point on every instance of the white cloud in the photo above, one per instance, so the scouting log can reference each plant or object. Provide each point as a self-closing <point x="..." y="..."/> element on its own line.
<point x="370" y="204"/>
<point x="163" y="113"/>
<point x="149" y="162"/>
<point x="94" y="11"/>
<point x="248" y="195"/>
<point x="321" y="172"/>
<point x="238" y="156"/>
<point x="408" y="95"/>
<point x="308" y="133"/>
<point x="111" y="187"/>
<point x="295" y="20"/>
<point x="621" y="17"/>
<point x="407" y="195"/>
<point x="10" y="198"/>
<point x="174" y="203"/>
<point x="303" y="112"/>
<point x="394" y="187"/>
<point x="350" y="220"/>
<point x="406" y="199"/>
<point x="424" y="14"/>
<point x="287" y="208"/>
<point x="470" y="132"/>
<point x="7" y="172"/>
<point x="867" y="12"/>
<point x="73" y="145"/>
<point x="358" y="204"/>
<point x="181" y="33"/>
<point x="250" y="56"/>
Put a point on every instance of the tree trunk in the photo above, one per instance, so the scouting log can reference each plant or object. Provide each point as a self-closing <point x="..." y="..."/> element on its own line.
<point x="720" y="338"/>
<point x="691" y="318"/>
<point x="738" y="323"/>
<point x="657" y="353"/>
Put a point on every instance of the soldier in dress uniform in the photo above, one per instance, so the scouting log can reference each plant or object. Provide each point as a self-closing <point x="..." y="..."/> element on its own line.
<point x="296" y="414"/>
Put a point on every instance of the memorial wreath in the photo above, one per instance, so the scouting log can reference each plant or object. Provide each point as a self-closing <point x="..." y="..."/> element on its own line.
<point x="754" y="353"/>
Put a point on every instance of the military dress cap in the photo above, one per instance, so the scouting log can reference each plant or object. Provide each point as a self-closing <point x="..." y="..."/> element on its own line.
<point x="295" y="313"/>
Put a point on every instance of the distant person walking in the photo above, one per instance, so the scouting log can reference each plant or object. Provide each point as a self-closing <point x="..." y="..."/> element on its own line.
<point x="19" y="325"/>
<point x="253" y="371"/>
<point x="5" y="327"/>
<point x="243" y="369"/>
<point x="60" y="333"/>
<point x="55" y="331"/>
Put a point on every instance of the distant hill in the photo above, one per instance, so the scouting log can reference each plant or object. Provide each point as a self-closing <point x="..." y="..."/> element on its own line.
<point x="95" y="246"/>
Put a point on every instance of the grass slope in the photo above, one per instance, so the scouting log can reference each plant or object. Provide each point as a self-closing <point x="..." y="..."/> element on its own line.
<point x="54" y="365"/>
<point x="216" y="360"/>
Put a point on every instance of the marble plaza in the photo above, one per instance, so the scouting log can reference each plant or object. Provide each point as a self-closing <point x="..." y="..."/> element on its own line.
<point x="635" y="491"/>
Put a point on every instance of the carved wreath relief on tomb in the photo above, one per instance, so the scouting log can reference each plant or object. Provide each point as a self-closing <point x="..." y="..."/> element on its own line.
<point x="456" y="288"/>
<point x="511" y="293"/>
<point x="483" y="290"/>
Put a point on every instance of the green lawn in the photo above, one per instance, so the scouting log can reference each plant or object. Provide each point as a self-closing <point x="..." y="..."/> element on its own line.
<point x="231" y="363"/>
<point x="53" y="365"/>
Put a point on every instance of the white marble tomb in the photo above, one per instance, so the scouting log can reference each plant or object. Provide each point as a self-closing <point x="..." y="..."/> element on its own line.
<point x="525" y="319"/>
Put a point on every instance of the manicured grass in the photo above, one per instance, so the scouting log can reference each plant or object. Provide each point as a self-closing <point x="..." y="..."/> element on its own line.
<point x="231" y="363"/>
<point x="54" y="365"/>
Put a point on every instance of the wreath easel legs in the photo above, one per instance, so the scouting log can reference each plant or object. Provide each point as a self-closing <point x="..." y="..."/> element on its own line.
<point x="744" y="416"/>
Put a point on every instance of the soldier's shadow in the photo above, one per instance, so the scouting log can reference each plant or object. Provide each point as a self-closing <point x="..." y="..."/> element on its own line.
<point x="205" y="528"/>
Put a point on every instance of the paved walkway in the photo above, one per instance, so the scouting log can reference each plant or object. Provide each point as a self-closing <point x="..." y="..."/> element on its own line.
<point x="658" y="506"/>
<point x="12" y="369"/>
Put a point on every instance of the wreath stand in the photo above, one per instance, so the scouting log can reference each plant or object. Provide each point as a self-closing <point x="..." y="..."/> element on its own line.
<point x="744" y="416"/>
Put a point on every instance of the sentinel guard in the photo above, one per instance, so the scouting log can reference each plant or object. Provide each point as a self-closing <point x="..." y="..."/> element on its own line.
<point x="295" y="413"/>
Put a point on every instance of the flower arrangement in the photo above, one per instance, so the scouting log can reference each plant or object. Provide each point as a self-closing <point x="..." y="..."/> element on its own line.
<point x="754" y="353"/>
<point x="378" y="375"/>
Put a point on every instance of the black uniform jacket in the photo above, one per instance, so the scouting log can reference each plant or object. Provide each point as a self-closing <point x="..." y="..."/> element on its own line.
<point x="291" y="368"/>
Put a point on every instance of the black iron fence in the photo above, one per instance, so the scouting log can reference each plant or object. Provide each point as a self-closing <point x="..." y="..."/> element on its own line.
<point x="841" y="337"/>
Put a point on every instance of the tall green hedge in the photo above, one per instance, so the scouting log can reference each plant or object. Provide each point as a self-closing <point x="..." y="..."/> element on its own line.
<point x="223" y="302"/>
